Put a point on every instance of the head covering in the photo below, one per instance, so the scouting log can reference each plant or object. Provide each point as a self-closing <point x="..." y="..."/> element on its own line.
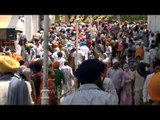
<point x="125" y="66"/>
<point x="89" y="71"/>
<point x="154" y="87"/>
<point x="55" y="64"/>
<point x="22" y="37"/>
<point x="36" y="66"/>
<point x="27" y="72"/>
<point x="141" y="65"/>
<point x="141" y="69"/>
<point x="8" y="64"/>
<point x="21" y="69"/>
<point x="19" y="58"/>
<point x="115" y="61"/>
<point x="84" y="43"/>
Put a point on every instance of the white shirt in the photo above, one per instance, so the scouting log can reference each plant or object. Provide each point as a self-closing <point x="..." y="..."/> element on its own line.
<point x="146" y="96"/>
<point x="39" y="50"/>
<point x="152" y="53"/>
<point x="61" y="60"/>
<point x="109" y="51"/>
<point x="109" y="86"/>
<point x="150" y="39"/>
<point x="68" y="72"/>
<point x="18" y="49"/>
<point x="55" y="56"/>
<point x="116" y="75"/>
<point x="79" y="57"/>
<point x="4" y="85"/>
<point x="68" y="76"/>
<point x="90" y="94"/>
<point x="85" y="51"/>
<point x="29" y="91"/>
<point x="147" y="57"/>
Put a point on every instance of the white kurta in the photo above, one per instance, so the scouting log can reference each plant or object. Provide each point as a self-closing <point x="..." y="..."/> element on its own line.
<point x="146" y="96"/>
<point x="68" y="76"/>
<point x="4" y="92"/>
<point x="85" y="51"/>
<point x="90" y="94"/>
<point x="116" y="75"/>
<point x="109" y="86"/>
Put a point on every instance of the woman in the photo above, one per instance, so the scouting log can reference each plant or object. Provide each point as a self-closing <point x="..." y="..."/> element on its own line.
<point x="126" y="92"/>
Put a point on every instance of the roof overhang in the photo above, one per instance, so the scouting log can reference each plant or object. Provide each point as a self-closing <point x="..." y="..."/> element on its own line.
<point x="11" y="21"/>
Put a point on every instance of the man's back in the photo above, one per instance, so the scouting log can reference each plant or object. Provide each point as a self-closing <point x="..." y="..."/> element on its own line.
<point x="15" y="91"/>
<point x="90" y="94"/>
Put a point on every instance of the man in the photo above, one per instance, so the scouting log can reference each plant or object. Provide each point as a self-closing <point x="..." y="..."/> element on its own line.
<point x="68" y="77"/>
<point x="115" y="73"/>
<point x="153" y="89"/>
<point x="147" y="56"/>
<point x="13" y="90"/>
<point x="79" y="58"/>
<point x="85" y="50"/>
<point x="146" y="97"/>
<point x="139" y="76"/>
<point x="60" y="59"/>
<point x="88" y="74"/>
<point x="59" y="78"/>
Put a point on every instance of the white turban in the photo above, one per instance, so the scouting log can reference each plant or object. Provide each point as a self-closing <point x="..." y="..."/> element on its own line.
<point x="115" y="61"/>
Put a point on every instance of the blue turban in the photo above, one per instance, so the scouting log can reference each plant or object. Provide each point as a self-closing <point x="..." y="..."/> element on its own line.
<point x="84" y="43"/>
<point x="141" y="65"/>
<point x="141" y="69"/>
<point x="89" y="71"/>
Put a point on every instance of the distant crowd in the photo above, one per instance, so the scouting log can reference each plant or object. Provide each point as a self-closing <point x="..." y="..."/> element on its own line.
<point x="113" y="64"/>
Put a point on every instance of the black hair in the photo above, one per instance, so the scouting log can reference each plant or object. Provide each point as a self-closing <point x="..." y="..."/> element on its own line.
<point x="152" y="45"/>
<point x="1" y="49"/>
<point x="156" y="64"/>
<point x="66" y="63"/>
<point x="21" y="62"/>
<point x="59" y="54"/>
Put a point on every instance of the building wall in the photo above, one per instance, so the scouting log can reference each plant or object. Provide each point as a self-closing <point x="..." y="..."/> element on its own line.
<point x="154" y="23"/>
<point x="27" y="26"/>
<point x="35" y="24"/>
<point x="31" y="25"/>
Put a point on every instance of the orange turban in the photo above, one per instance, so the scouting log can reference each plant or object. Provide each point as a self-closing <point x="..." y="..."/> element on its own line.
<point x="140" y="52"/>
<point x="154" y="87"/>
<point x="19" y="58"/>
<point x="55" y="64"/>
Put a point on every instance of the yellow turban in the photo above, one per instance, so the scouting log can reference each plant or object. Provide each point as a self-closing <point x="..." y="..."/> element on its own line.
<point x="8" y="64"/>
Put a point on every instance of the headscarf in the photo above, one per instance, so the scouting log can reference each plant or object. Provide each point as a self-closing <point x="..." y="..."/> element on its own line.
<point x="125" y="66"/>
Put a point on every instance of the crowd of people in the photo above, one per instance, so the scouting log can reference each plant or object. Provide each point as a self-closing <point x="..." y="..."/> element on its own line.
<point x="113" y="64"/>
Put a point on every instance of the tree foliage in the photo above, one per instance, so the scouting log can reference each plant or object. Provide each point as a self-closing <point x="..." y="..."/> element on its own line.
<point x="133" y="17"/>
<point x="110" y="18"/>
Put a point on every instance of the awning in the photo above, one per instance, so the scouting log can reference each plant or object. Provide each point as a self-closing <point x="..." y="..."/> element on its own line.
<point x="11" y="21"/>
<point x="5" y="20"/>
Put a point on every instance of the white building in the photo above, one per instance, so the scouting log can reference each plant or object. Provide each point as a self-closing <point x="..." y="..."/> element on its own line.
<point x="27" y="24"/>
<point x="154" y="23"/>
<point x="31" y="25"/>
